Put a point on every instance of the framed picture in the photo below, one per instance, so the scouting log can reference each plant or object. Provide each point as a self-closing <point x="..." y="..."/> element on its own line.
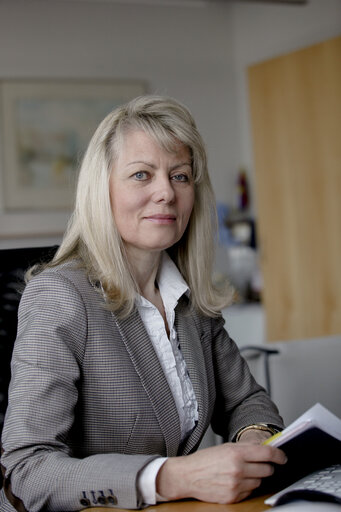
<point x="45" y="129"/>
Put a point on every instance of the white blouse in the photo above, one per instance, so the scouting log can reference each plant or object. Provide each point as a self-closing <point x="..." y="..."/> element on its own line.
<point x="171" y="286"/>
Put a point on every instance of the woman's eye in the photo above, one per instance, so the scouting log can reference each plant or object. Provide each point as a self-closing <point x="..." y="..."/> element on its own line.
<point x="141" y="175"/>
<point x="180" y="177"/>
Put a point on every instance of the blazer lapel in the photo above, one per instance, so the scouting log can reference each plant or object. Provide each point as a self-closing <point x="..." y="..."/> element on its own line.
<point x="153" y="380"/>
<point x="191" y="348"/>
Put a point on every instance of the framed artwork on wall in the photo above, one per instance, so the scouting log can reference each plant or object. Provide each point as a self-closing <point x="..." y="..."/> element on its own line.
<point x="45" y="127"/>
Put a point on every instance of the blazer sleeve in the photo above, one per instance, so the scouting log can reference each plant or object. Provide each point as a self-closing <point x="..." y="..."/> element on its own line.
<point x="40" y="473"/>
<point x="240" y="400"/>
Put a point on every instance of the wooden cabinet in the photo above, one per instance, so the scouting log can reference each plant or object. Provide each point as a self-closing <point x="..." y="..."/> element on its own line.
<point x="295" y="104"/>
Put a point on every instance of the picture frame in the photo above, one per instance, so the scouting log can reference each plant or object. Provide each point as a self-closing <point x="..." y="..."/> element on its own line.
<point x="46" y="126"/>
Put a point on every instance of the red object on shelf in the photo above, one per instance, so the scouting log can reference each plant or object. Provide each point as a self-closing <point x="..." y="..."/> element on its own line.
<point x="243" y="191"/>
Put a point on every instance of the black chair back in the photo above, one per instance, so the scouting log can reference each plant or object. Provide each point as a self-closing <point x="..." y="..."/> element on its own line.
<point x="13" y="265"/>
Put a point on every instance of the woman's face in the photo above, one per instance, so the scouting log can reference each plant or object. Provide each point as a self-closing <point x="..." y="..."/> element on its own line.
<point x="151" y="192"/>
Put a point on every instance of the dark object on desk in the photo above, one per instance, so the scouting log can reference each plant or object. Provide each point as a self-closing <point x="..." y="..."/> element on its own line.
<point x="13" y="265"/>
<point x="308" y="495"/>
<point x="309" y="451"/>
<point x="323" y="485"/>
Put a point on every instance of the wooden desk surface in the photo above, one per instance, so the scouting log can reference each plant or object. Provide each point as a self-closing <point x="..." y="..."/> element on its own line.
<point x="251" y="505"/>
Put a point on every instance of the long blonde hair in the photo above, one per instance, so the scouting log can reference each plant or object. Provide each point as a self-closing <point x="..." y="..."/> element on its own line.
<point x="92" y="236"/>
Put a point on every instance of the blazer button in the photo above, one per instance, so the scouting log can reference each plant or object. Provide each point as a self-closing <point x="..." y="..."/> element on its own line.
<point x="102" y="500"/>
<point x="112" y="499"/>
<point x="84" y="502"/>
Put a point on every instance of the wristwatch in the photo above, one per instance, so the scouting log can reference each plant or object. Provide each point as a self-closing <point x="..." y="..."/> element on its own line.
<point x="266" y="427"/>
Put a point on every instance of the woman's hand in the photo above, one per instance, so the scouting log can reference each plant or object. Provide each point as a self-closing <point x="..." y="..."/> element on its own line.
<point x="227" y="473"/>
<point x="254" y="436"/>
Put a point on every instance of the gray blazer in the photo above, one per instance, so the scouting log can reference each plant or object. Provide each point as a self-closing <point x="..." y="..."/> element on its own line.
<point x="89" y="405"/>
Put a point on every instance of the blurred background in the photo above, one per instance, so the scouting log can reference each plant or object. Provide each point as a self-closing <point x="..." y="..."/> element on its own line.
<point x="198" y="51"/>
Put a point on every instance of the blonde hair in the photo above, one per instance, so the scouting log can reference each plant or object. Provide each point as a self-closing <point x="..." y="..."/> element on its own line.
<point x="92" y="236"/>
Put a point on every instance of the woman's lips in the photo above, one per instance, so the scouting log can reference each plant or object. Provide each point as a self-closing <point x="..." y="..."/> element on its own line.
<point x="161" y="218"/>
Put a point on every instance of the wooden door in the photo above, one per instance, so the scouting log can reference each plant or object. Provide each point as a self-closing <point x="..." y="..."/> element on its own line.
<point x="296" y="122"/>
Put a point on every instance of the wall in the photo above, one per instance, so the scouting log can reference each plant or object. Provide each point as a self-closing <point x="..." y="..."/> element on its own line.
<point x="183" y="51"/>
<point x="262" y="31"/>
<point x="195" y="53"/>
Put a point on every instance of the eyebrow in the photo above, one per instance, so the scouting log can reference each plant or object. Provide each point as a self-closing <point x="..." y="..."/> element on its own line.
<point x="176" y="166"/>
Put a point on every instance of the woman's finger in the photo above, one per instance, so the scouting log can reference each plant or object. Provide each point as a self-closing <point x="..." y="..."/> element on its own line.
<point x="257" y="470"/>
<point x="260" y="453"/>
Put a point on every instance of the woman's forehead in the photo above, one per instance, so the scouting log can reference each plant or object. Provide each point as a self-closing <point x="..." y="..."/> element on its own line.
<point x="139" y="136"/>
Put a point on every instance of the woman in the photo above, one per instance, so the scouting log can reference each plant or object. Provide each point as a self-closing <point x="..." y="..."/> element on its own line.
<point x="121" y="360"/>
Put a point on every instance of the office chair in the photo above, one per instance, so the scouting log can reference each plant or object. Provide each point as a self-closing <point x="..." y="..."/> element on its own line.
<point x="13" y="265"/>
<point x="256" y="351"/>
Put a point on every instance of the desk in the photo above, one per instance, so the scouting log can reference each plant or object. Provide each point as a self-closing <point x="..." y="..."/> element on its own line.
<point x="251" y="505"/>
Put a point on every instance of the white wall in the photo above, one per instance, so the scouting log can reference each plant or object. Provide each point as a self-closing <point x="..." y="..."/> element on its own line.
<point x="263" y="31"/>
<point x="194" y="53"/>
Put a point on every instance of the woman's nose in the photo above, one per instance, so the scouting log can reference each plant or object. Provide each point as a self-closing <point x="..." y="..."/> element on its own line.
<point x="163" y="191"/>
